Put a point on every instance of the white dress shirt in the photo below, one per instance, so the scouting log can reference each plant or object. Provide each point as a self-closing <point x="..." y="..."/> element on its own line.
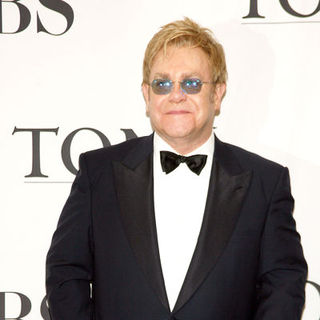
<point x="179" y="202"/>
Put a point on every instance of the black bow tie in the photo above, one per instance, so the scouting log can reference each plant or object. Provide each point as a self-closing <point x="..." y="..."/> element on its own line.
<point x="170" y="161"/>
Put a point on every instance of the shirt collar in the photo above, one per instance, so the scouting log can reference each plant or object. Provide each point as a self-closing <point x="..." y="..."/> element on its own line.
<point x="206" y="148"/>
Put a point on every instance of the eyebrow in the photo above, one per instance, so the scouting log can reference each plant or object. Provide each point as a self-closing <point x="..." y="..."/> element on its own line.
<point x="162" y="76"/>
<point x="184" y="75"/>
<point x="190" y="75"/>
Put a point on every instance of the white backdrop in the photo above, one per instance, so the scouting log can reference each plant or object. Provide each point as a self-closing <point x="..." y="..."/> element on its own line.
<point x="90" y="76"/>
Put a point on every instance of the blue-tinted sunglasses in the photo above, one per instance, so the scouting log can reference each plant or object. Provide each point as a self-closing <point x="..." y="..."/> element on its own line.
<point x="165" y="86"/>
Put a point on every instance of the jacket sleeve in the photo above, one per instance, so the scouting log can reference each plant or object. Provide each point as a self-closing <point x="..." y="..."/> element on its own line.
<point x="69" y="260"/>
<point x="283" y="269"/>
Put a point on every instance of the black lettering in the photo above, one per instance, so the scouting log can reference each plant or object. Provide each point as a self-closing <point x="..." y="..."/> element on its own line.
<point x="130" y="134"/>
<point x="25" y="16"/>
<point x="44" y="309"/>
<point x="36" y="170"/>
<point x="25" y="305"/>
<point x="2" y="305"/>
<point x="66" y="147"/>
<point x="287" y="7"/>
<point x="317" y="286"/>
<point x="58" y="6"/>
<point x="253" y="13"/>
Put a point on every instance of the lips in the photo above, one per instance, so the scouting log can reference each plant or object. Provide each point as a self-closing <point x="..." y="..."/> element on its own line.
<point x="177" y="112"/>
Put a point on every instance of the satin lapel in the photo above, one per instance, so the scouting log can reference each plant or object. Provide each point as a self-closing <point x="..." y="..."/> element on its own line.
<point x="134" y="187"/>
<point x="225" y="197"/>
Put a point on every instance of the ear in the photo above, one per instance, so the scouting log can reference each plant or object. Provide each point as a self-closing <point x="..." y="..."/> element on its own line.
<point x="219" y="92"/>
<point x="146" y="95"/>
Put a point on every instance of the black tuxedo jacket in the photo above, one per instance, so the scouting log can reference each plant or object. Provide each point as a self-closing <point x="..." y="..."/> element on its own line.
<point x="104" y="261"/>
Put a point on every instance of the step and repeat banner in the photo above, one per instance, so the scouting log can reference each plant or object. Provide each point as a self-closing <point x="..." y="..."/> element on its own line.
<point x="70" y="81"/>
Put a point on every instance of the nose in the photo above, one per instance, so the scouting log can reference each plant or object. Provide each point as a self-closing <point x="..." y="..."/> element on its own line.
<point x="177" y="94"/>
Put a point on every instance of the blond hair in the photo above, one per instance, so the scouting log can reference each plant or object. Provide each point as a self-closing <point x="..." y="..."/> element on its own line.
<point x="186" y="33"/>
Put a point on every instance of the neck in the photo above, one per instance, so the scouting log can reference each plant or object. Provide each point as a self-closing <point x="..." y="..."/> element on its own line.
<point x="184" y="145"/>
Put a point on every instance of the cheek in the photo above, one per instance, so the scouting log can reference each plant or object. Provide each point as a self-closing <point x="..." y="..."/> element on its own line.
<point x="154" y="110"/>
<point x="205" y="113"/>
<point x="203" y="106"/>
<point x="156" y="103"/>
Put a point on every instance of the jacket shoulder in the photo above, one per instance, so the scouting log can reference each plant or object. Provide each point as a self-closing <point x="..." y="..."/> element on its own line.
<point x="268" y="172"/>
<point x="101" y="159"/>
<point x="113" y="152"/>
<point x="253" y="161"/>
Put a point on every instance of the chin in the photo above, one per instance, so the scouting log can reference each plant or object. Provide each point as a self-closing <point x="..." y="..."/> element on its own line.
<point x="177" y="132"/>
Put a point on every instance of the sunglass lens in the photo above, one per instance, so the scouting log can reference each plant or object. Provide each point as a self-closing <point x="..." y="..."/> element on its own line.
<point x="191" y="86"/>
<point x="160" y="86"/>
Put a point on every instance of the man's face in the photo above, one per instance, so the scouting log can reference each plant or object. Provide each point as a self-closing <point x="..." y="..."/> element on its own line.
<point x="178" y="116"/>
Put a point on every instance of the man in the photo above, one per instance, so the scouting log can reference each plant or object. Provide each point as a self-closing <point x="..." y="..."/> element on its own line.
<point x="178" y="225"/>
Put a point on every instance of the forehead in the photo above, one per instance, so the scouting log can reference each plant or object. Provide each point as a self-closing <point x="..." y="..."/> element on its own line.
<point x="180" y="62"/>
